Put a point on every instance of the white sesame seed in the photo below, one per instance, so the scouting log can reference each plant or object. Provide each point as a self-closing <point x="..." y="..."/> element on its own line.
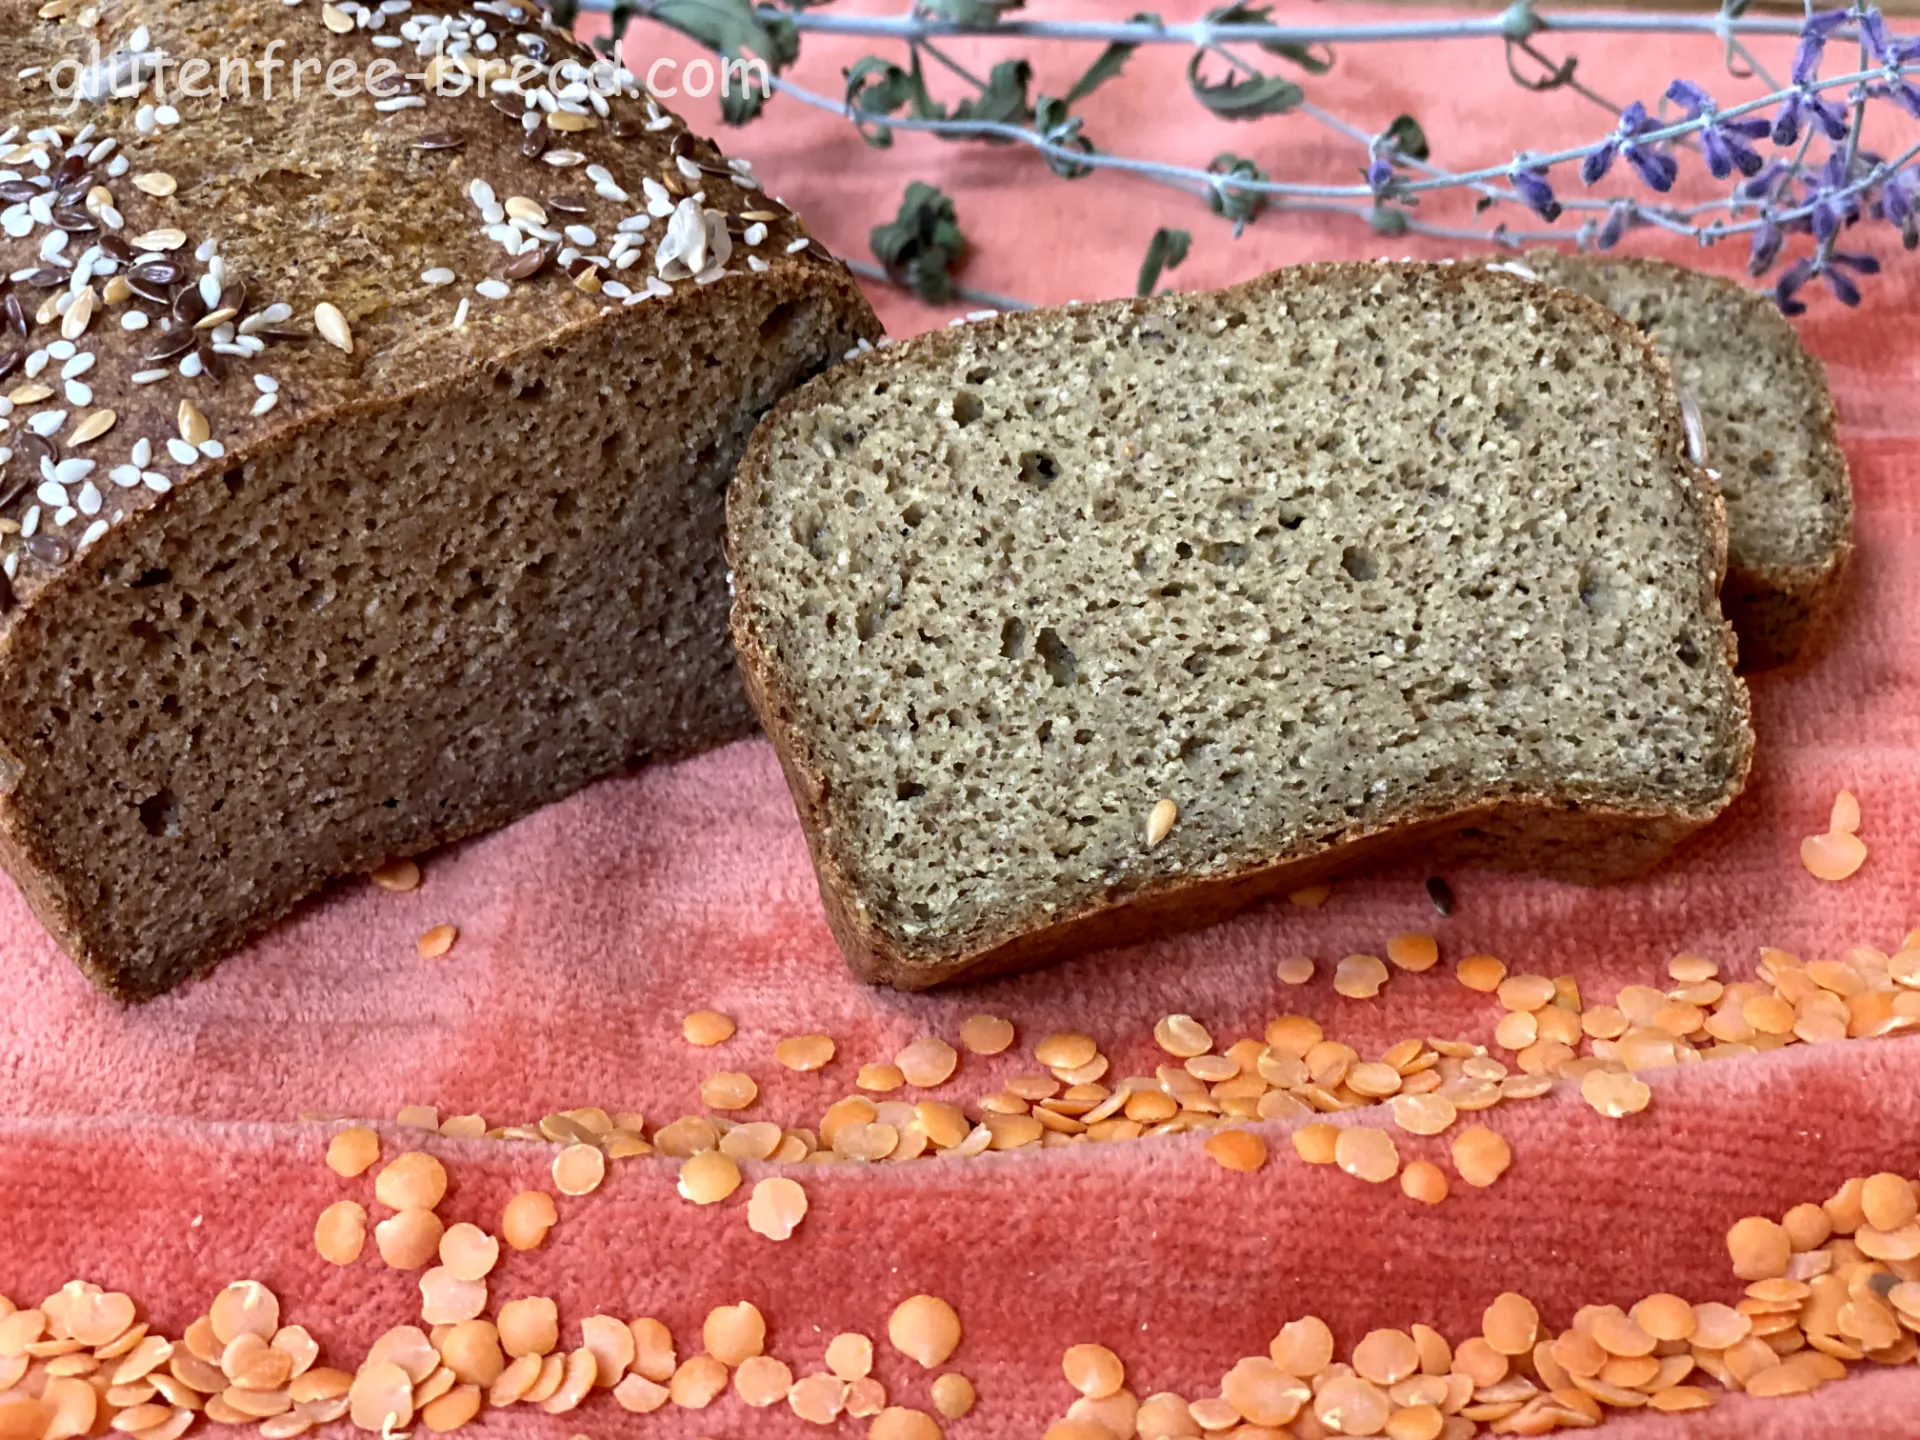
<point x="93" y="533"/>
<point x="493" y="289"/>
<point x="439" y="275"/>
<point x="686" y="167"/>
<point x="757" y="265"/>
<point x="30" y="522"/>
<point x="755" y="233"/>
<point x="213" y="449"/>
<point x="265" y="384"/>
<point x="47" y="423"/>
<point x="182" y="452"/>
<point x="62" y="350"/>
<point x="79" y="395"/>
<point x="143" y="453"/>
<point x="148" y="377"/>
<point x="156" y="482"/>
<point x="76" y="367"/>
<point x="134" y="320"/>
<point x="581" y="235"/>
<point x="167" y="115"/>
<point x="191" y="367"/>
<point x="481" y="193"/>
<point x="89" y="499"/>
<point x="125" y="476"/>
<point x="36" y="364"/>
<point x="64" y="516"/>
<point x="265" y="403"/>
<point x="460" y="315"/>
<point x="795" y="247"/>
<point x="634" y="224"/>
<point x="51" y="492"/>
<point x="333" y="326"/>
<point x="72" y="472"/>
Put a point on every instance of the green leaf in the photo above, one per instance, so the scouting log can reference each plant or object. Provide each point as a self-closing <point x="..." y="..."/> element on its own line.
<point x="1301" y="55"/>
<point x="1110" y="61"/>
<point x="1004" y="101"/>
<point x="1387" y="221"/>
<point x="1406" y="136"/>
<point x="1061" y="127"/>
<point x="877" y="86"/>
<point x="1239" y="206"/>
<point x="922" y="245"/>
<point x="734" y="29"/>
<point x="729" y="26"/>
<point x="1248" y="99"/>
<point x="1166" y="250"/>
<point x="980" y="14"/>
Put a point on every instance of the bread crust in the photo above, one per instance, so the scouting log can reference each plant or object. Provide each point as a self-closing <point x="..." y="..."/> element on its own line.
<point x="1778" y="611"/>
<point x="1520" y="829"/>
<point x="374" y="212"/>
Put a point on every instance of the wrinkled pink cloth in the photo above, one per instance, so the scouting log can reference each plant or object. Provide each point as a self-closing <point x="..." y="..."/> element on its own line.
<point x="156" y="1150"/>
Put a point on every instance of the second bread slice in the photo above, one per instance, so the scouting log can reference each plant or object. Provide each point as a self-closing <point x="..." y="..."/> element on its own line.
<point x="1347" y="560"/>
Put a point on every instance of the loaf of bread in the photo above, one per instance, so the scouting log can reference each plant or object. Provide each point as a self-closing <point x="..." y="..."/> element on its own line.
<point x="1770" y="437"/>
<point x="365" y="453"/>
<point x="1078" y="625"/>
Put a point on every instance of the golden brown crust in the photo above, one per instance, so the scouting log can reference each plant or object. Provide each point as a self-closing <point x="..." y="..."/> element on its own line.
<point x="1521" y="830"/>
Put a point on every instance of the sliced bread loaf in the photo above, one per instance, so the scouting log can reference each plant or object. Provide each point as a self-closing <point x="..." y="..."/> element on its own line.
<point x="363" y="477"/>
<point x="1770" y="433"/>
<point x="1348" y="559"/>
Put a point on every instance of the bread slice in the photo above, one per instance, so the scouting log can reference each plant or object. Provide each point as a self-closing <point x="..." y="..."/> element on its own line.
<point x="1344" y="561"/>
<point x="1770" y="431"/>
<point x="454" y="552"/>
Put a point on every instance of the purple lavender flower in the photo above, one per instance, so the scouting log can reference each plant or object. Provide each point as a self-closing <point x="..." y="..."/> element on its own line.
<point x="1379" y="173"/>
<point x="1882" y="44"/>
<point x="1723" y="141"/>
<point x="1788" y="287"/>
<point x="1655" y="168"/>
<point x="1898" y="206"/>
<point x="1619" y="217"/>
<point x="1530" y="184"/>
<point x="1813" y="42"/>
<point x="1767" y="241"/>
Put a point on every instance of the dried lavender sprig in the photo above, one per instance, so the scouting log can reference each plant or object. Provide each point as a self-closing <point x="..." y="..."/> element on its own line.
<point x="915" y="26"/>
<point x="1203" y="182"/>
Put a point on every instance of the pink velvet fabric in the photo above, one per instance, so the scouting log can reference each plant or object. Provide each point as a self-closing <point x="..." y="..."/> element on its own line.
<point x="156" y="1150"/>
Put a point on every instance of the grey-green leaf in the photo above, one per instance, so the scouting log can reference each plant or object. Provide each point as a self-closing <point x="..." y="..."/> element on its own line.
<point x="1166" y="250"/>
<point x="922" y="245"/>
<point x="1248" y="99"/>
<point x="1111" y="60"/>
<point x="1406" y="136"/>
<point x="729" y="26"/>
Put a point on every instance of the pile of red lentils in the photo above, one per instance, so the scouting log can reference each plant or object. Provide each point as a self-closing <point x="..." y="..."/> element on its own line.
<point x="1828" y="1284"/>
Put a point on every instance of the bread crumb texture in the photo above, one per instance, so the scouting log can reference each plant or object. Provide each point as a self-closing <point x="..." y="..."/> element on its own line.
<point x="1314" y="557"/>
<point x="363" y="454"/>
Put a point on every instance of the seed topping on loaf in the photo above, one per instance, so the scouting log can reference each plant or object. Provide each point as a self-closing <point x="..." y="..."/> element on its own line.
<point x="571" y="176"/>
